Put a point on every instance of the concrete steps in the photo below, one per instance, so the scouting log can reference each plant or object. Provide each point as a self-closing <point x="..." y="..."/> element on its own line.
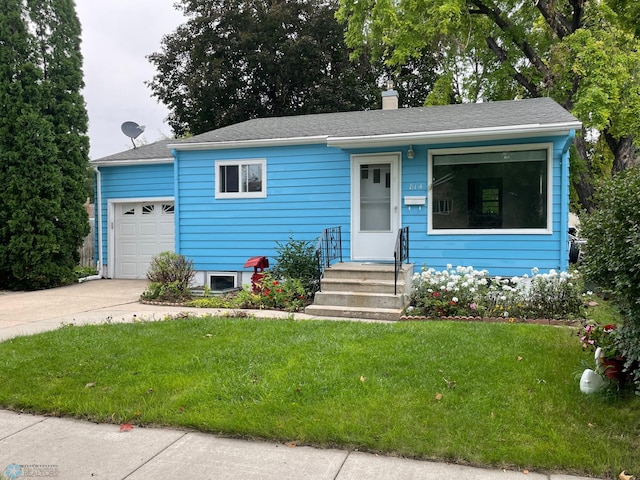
<point x="362" y="290"/>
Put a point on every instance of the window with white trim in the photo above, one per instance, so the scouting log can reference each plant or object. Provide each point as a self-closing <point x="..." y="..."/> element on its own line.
<point x="241" y="178"/>
<point x="491" y="190"/>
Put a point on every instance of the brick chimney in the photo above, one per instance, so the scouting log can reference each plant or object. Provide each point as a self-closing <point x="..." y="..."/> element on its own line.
<point x="390" y="97"/>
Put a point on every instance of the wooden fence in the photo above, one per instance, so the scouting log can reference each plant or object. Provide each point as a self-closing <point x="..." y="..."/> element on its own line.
<point x="87" y="250"/>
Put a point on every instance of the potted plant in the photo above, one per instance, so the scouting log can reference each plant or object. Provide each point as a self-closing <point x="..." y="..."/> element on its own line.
<point x="604" y="338"/>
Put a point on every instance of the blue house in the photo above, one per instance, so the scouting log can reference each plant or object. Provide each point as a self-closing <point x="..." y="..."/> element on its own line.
<point x="484" y="184"/>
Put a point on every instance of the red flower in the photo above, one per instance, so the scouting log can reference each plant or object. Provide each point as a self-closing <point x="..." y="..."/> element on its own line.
<point x="436" y="294"/>
<point x="609" y="327"/>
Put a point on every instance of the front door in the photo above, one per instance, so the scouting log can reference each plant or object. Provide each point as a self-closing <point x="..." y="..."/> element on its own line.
<point x="375" y="213"/>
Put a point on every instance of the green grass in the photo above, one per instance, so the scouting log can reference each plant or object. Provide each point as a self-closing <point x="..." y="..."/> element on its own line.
<point x="509" y="395"/>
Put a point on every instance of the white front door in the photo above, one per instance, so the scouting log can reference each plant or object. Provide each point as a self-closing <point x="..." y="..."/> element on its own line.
<point x="375" y="206"/>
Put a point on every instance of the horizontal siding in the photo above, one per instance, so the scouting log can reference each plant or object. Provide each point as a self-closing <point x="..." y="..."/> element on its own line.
<point x="308" y="189"/>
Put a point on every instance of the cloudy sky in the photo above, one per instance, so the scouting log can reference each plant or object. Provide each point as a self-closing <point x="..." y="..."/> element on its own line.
<point x="117" y="35"/>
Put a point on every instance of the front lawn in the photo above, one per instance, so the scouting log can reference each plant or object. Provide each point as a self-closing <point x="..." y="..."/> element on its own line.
<point x="501" y="395"/>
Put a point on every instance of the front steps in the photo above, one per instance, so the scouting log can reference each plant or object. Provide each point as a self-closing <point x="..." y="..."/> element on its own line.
<point x="362" y="290"/>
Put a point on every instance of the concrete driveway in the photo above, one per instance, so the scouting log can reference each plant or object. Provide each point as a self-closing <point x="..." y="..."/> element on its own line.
<point x="89" y="302"/>
<point x="96" y="301"/>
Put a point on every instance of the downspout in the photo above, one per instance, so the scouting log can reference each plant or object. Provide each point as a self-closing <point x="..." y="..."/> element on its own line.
<point x="176" y="202"/>
<point x="100" y="265"/>
<point x="564" y="208"/>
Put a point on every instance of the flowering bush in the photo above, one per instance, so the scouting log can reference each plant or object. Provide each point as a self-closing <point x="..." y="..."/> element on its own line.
<point x="288" y="294"/>
<point x="606" y="337"/>
<point x="468" y="292"/>
<point x="449" y="292"/>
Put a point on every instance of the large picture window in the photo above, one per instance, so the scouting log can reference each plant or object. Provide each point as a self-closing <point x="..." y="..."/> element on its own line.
<point x="241" y="178"/>
<point x="506" y="188"/>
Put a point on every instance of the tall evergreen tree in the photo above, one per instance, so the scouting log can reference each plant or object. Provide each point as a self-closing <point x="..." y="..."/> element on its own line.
<point x="43" y="143"/>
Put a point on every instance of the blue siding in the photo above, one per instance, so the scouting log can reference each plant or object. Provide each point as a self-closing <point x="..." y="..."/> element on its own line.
<point x="135" y="181"/>
<point x="308" y="189"/>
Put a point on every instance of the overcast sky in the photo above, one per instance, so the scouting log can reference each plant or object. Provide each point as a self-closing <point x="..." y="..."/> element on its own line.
<point x="117" y="35"/>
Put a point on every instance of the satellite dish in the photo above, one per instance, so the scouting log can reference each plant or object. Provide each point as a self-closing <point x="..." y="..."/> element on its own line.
<point x="132" y="130"/>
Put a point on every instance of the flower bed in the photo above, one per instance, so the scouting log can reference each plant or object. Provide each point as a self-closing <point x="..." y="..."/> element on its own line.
<point x="465" y="293"/>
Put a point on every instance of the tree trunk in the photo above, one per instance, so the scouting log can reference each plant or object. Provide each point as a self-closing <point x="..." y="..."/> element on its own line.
<point x="624" y="152"/>
<point x="583" y="184"/>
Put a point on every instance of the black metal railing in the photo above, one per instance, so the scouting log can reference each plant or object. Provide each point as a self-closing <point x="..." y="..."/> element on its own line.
<point x="401" y="254"/>
<point x="329" y="248"/>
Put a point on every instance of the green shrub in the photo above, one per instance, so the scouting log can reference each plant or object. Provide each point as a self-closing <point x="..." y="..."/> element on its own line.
<point x="297" y="261"/>
<point x="612" y="255"/>
<point x="170" y="275"/>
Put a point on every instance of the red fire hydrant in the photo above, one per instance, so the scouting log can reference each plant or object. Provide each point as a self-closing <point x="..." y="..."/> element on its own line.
<point x="256" y="279"/>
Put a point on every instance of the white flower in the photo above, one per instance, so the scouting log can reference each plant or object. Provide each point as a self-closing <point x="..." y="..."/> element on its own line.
<point x="454" y="299"/>
<point x="449" y="266"/>
<point x="535" y="270"/>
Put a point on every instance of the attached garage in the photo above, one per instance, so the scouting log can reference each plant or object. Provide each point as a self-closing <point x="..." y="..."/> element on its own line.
<point x="141" y="230"/>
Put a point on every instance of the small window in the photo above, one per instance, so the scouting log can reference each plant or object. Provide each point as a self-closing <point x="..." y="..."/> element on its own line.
<point x="148" y="209"/>
<point x="241" y="178"/>
<point x="223" y="281"/>
<point x="167" y="209"/>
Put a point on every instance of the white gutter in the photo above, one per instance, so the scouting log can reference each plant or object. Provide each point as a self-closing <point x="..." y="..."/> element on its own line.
<point x="129" y="162"/>
<point x="99" y="211"/>
<point x="476" y="134"/>
<point x="263" y="142"/>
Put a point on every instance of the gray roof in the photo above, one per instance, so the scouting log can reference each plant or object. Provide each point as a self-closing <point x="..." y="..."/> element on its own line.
<point x="157" y="152"/>
<point x="389" y="122"/>
<point x="402" y="125"/>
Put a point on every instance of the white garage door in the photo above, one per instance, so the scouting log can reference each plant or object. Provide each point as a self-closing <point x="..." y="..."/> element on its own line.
<point x="142" y="230"/>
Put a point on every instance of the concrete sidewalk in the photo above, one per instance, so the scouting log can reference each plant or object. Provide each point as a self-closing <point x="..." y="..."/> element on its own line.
<point x="35" y="446"/>
<point x="74" y="450"/>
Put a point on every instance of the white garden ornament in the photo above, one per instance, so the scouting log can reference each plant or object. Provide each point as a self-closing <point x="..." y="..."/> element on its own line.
<point x="593" y="381"/>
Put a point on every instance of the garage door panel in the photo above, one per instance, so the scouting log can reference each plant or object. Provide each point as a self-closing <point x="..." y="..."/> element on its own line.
<point x="167" y="229"/>
<point x="148" y="249"/>
<point x="128" y="229"/>
<point x="129" y="270"/>
<point x="148" y="229"/>
<point x="142" y="230"/>
<point x="129" y="249"/>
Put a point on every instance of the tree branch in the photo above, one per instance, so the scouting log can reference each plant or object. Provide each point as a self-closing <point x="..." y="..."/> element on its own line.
<point x="558" y="22"/>
<point x="519" y="77"/>
<point x="507" y="27"/>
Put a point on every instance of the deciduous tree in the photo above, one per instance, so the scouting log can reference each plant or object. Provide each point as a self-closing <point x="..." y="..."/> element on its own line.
<point x="583" y="53"/>
<point x="239" y="59"/>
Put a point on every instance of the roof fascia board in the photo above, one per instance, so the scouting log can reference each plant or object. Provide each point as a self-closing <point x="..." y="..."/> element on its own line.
<point x="131" y="161"/>
<point x="476" y="134"/>
<point x="266" y="142"/>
